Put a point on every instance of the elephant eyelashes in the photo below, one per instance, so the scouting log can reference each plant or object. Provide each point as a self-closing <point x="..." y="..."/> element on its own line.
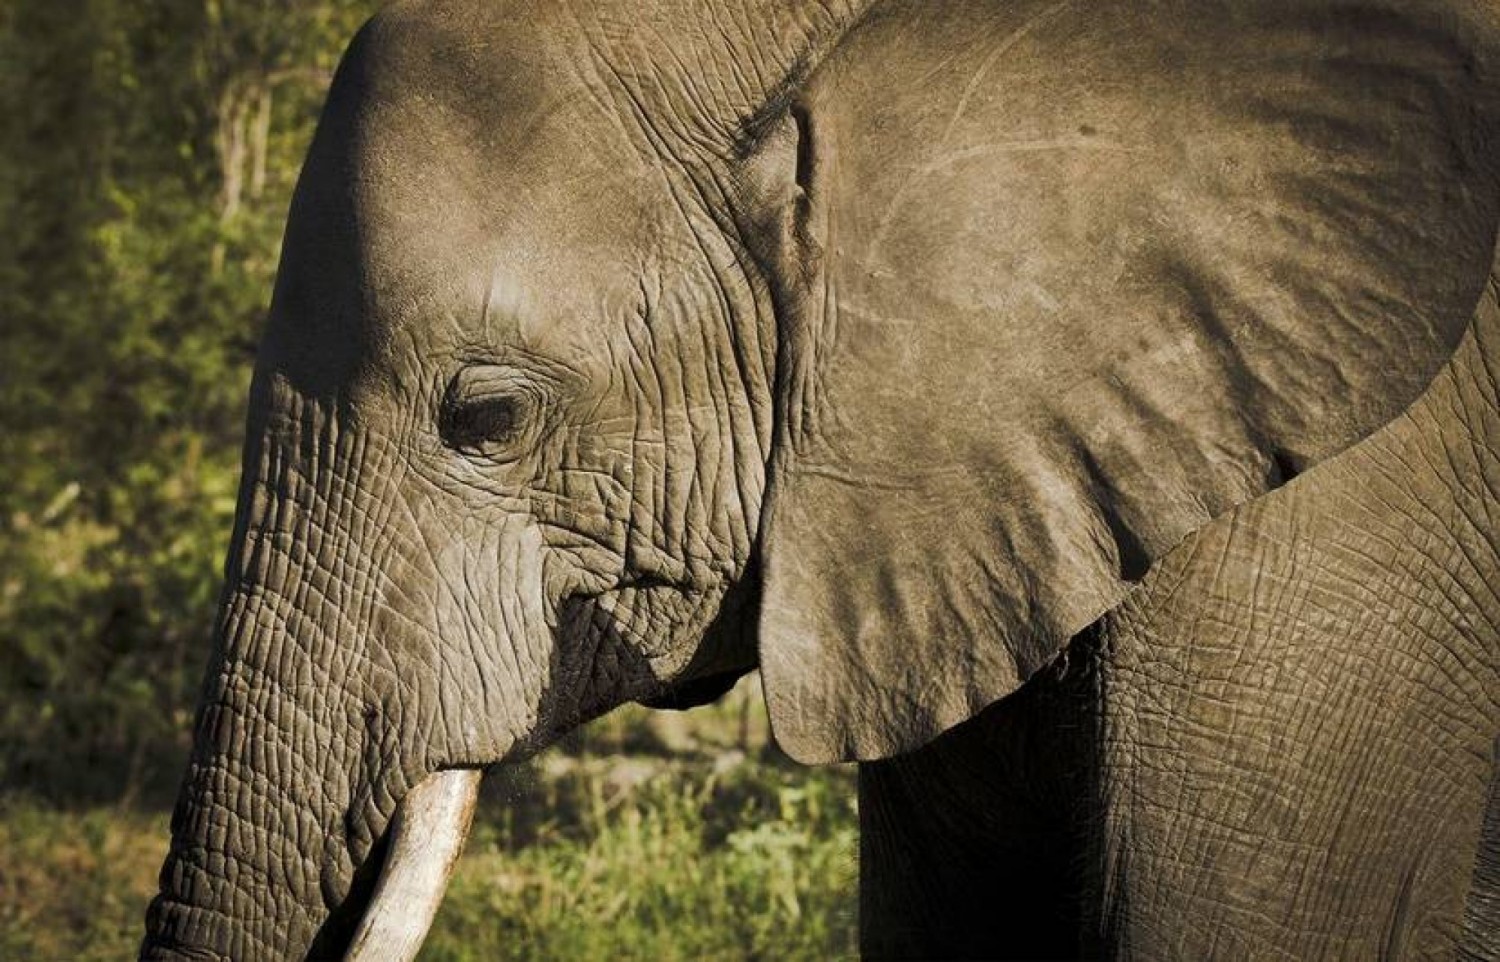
<point x="482" y="426"/>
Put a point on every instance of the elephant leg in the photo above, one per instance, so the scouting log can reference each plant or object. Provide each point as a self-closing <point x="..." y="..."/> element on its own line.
<point x="969" y="847"/>
<point x="1301" y="706"/>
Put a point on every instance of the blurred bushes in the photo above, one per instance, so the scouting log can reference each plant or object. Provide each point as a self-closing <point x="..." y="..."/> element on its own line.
<point x="147" y="156"/>
<point x="74" y="885"/>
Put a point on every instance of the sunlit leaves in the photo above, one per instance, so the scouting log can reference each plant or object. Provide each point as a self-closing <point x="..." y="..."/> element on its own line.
<point x="130" y="304"/>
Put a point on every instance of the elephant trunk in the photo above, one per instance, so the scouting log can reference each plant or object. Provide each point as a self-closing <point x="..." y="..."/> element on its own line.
<point x="256" y="822"/>
<point x="299" y="757"/>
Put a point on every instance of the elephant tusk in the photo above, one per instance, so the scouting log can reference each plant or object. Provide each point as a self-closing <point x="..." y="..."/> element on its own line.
<point x="427" y="837"/>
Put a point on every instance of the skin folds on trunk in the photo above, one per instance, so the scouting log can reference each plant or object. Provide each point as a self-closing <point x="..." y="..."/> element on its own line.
<point x="297" y="759"/>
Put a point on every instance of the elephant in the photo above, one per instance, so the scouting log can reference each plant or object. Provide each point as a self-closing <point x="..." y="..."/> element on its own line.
<point x="1084" y="416"/>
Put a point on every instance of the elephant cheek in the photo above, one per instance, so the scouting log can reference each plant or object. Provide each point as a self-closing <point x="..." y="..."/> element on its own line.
<point x="491" y="660"/>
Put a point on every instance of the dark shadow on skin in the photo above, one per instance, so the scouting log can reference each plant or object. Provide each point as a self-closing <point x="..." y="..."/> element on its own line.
<point x="1482" y="912"/>
<point x="980" y="845"/>
<point x="726" y="654"/>
<point x="332" y="940"/>
<point x="695" y="693"/>
<point x="1287" y="468"/>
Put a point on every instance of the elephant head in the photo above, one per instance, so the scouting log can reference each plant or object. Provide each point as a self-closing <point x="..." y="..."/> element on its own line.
<point x="617" y="349"/>
<point x="507" y="433"/>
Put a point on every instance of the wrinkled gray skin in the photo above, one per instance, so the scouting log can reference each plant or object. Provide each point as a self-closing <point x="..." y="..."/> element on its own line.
<point x="949" y="360"/>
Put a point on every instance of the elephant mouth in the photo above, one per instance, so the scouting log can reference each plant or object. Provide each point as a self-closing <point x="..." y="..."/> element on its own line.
<point x="427" y="836"/>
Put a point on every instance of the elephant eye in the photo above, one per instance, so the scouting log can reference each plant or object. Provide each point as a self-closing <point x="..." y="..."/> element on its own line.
<point x="482" y="426"/>
<point x="492" y="411"/>
<point x="475" y="426"/>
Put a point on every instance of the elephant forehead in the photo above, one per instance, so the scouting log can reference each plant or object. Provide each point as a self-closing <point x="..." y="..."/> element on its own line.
<point x="541" y="275"/>
<point x="494" y="196"/>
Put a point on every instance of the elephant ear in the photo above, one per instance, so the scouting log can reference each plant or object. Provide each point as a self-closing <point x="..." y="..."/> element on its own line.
<point x="1056" y="290"/>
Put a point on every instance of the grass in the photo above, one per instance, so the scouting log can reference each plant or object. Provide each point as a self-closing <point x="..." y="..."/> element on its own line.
<point x="74" y="885"/>
<point x="707" y="850"/>
<point x="750" y="863"/>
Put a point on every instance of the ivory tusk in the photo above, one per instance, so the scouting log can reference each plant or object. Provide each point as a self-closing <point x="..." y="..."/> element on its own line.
<point x="427" y="837"/>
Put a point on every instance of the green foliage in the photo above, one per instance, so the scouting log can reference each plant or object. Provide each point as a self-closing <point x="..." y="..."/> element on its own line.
<point x="147" y="155"/>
